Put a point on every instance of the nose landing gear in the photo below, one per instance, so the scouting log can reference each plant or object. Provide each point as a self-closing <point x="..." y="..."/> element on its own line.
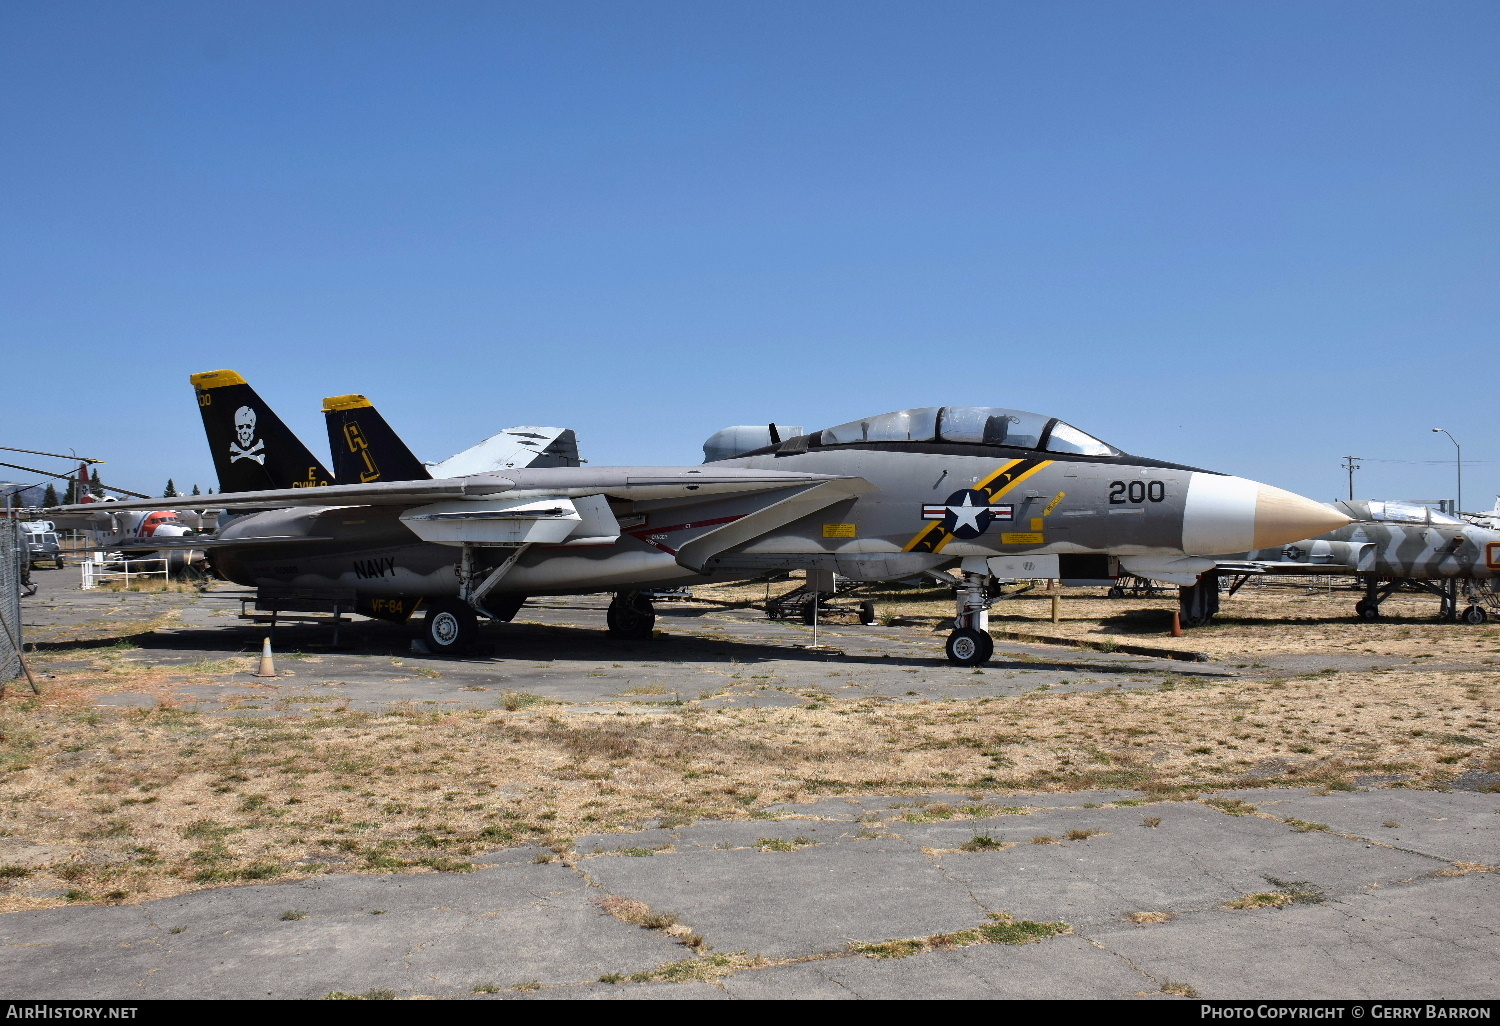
<point x="970" y="643"/>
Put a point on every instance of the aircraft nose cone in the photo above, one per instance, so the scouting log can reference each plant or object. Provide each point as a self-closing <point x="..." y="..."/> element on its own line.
<point x="1227" y="515"/>
<point x="1282" y="516"/>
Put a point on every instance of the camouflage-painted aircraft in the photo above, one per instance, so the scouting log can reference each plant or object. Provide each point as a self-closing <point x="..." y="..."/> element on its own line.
<point x="1390" y="546"/>
<point x="970" y="492"/>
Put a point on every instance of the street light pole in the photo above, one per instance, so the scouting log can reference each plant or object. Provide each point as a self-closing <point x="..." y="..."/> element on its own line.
<point x="1460" y="449"/>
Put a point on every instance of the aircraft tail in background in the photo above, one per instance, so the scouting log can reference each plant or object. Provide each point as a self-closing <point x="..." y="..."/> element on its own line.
<point x="252" y="449"/>
<point x="364" y="446"/>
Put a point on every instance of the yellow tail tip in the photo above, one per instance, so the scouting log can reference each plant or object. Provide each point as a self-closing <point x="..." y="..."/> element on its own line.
<point x="217" y="379"/>
<point x="345" y="402"/>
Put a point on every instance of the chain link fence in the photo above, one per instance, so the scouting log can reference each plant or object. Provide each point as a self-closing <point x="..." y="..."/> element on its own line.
<point x="14" y="561"/>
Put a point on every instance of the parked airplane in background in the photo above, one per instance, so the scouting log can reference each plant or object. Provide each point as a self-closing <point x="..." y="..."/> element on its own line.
<point x="1389" y="546"/>
<point x="959" y="488"/>
<point x="365" y="448"/>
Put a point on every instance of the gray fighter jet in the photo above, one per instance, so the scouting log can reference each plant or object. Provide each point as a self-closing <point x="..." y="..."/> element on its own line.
<point x="970" y="492"/>
<point x="1391" y="546"/>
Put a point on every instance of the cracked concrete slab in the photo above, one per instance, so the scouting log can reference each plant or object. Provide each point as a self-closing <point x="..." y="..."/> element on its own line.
<point x="1062" y="967"/>
<point x="799" y="902"/>
<point x="1197" y="858"/>
<point x="434" y="934"/>
<point x="1461" y="826"/>
<point x="1434" y="939"/>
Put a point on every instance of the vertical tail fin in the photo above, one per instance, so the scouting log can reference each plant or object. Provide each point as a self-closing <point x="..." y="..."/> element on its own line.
<point x="253" y="450"/>
<point x="365" y="448"/>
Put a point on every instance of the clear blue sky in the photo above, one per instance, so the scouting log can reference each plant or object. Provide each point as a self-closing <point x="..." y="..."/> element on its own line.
<point x="1250" y="236"/>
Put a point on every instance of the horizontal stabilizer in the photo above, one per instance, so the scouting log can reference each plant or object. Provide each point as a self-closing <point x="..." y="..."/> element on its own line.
<point x="511" y="449"/>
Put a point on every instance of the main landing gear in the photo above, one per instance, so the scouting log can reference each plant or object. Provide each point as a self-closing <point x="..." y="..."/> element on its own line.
<point x="970" y="643"/>
<point x="450" y="627"/>
<point x="1199" y="603"/>
<point x="1448" y="590"/>
<point x="631" y="616"/>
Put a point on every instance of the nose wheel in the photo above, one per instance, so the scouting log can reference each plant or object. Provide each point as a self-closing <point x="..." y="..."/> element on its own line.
<point x="969" y="647"/>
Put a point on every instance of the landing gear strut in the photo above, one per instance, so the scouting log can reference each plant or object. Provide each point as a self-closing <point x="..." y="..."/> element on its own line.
<point x="970" y="643"/>
<point x="1198" y="603"/>
<point x="631" y="615"/>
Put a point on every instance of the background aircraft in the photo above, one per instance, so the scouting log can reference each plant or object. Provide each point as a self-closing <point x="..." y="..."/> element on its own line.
<point x="1390" y="545"/>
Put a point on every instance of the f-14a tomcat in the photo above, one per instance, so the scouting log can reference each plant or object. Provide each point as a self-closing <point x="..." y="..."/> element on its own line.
<point x="964" y="490"/>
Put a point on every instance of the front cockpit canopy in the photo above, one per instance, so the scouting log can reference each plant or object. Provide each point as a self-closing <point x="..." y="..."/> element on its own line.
<point x="970" y="425"/>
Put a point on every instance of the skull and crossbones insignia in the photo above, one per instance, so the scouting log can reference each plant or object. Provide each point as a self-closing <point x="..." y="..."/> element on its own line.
<point x="244" y="429"/>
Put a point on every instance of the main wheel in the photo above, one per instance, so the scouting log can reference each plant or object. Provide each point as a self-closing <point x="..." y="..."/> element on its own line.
<point x="968" y="647"/>
<point x="631" y="615"/>
<point x="1367" y="610"/>
<point x="867" y="613"/>
<point x="1474" y="616"/>
<point x="1116" y="592"/>
<point x="449" y="627"/>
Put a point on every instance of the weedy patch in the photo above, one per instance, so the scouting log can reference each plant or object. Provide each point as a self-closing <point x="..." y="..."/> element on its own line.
<point x="1264" y="899"/>
<point x="293" y="913"/>
<point x="1084" y="835"/>
<point x="1002" y="930"/>
<point x="1178" y="989"/>
<point x="984" y="842"/>
<point x="369" y="995"/>
<point x="1151" y="821"/>
<point x="1045" y="839"/>
<point x="706" y="968"/>
<point x="1465" y="868"/>
<point x="636" y="913"/>
<point x="515" y="701"/>
<point x="1300" y="891"/>
<point x="1303" y="826"/>
<point x="1232" y="806"/>
<point x="781" y="844"/>
<point x="1150" y="918"/>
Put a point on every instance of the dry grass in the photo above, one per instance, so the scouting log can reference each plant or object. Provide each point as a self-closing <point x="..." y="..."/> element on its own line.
<point x="128" y="804"/>
<point x="1150" y="918"/>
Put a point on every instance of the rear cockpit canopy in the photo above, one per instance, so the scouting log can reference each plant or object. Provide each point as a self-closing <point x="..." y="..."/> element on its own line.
<point x="967" y="425"/>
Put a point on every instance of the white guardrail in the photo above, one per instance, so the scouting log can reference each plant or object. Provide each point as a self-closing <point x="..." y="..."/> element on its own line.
<point x="101" y="567"/>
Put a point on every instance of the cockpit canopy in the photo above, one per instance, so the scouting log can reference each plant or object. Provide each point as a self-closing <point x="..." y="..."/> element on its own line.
<point x="972" y="425"/>
<point x="1397" y="511"/>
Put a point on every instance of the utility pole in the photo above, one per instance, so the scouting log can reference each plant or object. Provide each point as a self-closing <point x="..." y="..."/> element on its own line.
<point x="1352" y="464"/>
<point x="1460" y="456"/>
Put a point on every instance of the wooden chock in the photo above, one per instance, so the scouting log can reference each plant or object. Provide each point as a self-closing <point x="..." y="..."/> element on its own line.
<point x="267" y="665"/>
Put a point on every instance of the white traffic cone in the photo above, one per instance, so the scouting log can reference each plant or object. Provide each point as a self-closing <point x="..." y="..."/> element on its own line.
<point x="267" y="667"/>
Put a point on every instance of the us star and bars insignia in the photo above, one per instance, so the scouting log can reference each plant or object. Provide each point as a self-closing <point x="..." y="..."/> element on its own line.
<point x="967" y="513"/>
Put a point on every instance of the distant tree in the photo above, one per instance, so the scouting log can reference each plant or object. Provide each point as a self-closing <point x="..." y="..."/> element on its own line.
<point x="171" y="492"/>
<point x="50" y="498"/>
<point x="96" y="489"/>
<point x="71" y="495"/>
<point x="196" y="491"/>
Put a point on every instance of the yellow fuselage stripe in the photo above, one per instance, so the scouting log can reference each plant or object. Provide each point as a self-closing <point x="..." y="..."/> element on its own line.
<point x="933" y="538"/>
